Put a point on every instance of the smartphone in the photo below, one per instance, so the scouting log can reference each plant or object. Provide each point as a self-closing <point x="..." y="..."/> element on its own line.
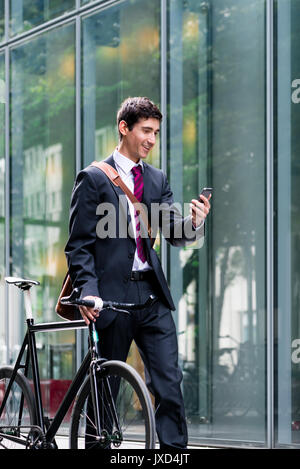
<point x="206" y="192"/>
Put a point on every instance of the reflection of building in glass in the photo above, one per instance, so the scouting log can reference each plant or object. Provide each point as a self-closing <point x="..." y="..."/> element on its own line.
<point x="53" y="158"/>
<point x="43" y="182"/>
<point x="42" y="204"/>
<point x="2" y="186"/>
<point x="3" y="347"/>
<point x="2" y="217"/>
<point x="105" y="141"/>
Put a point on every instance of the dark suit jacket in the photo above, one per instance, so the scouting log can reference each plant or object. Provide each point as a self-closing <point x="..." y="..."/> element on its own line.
<point x="102" y="267"/>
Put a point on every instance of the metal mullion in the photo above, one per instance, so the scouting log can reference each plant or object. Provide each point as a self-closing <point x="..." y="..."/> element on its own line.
<point x="78" y="159"/>
<point x="7" y="193"/>
<point x="163" y="87"/>
<point x="78" y="156"/>
<point x="269" y="220"/>
<point x="163" y="104"/>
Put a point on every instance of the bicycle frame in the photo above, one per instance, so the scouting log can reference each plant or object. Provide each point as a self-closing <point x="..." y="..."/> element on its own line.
<point x="93" y="364"/>
<point x="90" y="362"/>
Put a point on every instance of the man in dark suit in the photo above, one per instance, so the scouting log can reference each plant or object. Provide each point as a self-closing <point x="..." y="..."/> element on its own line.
<point x="126" y="268"/>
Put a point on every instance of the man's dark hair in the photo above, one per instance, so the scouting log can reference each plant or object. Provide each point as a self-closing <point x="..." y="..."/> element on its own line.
<point x="134" y="109"/>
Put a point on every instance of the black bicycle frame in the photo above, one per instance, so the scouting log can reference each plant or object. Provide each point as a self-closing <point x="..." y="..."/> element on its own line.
<point x="90" y="364"/>
<point x="31" y="358"/>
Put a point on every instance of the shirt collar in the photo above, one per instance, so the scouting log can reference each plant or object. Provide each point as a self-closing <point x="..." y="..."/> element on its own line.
<point x="125" y="163"/>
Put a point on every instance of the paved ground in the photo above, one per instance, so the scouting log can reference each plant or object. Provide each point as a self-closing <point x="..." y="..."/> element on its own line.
<point x="63" y="443"/>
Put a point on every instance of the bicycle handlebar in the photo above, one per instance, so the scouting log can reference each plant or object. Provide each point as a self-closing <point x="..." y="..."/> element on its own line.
<point x="98" y="304"/>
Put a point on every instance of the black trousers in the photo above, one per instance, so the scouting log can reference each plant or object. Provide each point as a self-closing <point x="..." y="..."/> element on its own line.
<point x="154" y="333"/>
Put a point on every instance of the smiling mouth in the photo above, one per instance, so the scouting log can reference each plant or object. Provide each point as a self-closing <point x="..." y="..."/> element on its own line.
<point x="146" y="148"/>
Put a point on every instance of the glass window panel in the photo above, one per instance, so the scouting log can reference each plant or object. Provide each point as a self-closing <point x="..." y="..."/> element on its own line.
<point x="2" y="30"/>
<point x="288" y="227"/>
<point x="120" y="58"/>
<point x="217" y="138"/>
<point x="3" y="338"/>
<point x="26" y="14"/>
<point x="42" y="176"/>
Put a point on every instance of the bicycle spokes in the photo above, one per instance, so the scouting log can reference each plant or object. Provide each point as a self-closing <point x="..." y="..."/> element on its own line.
<point x="122" y="412"/>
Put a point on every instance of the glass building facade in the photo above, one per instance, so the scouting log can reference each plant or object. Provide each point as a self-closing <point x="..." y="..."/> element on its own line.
<point x="226" y="75"/>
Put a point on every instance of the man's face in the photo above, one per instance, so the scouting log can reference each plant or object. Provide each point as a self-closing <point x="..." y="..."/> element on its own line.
<point x="141" y="138"/>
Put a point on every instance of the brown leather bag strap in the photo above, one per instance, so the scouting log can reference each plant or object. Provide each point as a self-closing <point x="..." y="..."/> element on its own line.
<point x="115" y="178"/>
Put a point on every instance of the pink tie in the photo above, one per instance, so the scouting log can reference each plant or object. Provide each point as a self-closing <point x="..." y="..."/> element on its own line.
<point x="138" y="192"/>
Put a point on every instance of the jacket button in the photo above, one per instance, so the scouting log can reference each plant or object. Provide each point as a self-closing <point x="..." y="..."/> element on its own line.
<point x="130" y="255"/>
<point x="125" y="279"/>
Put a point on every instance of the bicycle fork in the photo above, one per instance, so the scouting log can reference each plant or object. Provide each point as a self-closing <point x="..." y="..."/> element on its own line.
<point x="98" y="365"/>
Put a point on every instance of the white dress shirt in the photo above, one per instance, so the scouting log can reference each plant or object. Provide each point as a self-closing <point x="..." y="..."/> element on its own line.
<point x="124" y="166"/>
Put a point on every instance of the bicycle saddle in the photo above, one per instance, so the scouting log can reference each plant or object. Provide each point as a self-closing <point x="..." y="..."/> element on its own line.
<point x="22" y="283"/>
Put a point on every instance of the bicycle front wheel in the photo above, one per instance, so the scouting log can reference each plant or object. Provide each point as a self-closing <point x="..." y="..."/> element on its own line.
<point x="18" y="414"/>
<point x="127" y="422"/>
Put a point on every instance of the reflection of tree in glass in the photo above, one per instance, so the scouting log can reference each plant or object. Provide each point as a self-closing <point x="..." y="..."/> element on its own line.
<point x="232" y="105"/>
<point x="27" y="14"/>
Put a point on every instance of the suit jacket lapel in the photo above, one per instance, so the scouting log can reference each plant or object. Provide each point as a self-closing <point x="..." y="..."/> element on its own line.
<point x="118" y="191"/>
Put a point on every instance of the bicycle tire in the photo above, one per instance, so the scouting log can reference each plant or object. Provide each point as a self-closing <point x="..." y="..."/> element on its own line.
<point x="10" y="415"/>
<point x="136" y="417"/>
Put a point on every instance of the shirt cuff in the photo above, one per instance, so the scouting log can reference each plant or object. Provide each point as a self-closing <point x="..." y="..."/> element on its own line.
<point x="197" y="228"/>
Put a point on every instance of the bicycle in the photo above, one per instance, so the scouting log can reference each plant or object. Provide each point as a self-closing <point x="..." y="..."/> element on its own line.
<point x="111" y="404"/>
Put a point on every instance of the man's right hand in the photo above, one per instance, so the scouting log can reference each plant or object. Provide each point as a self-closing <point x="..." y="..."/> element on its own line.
<point x="88" y="314"/>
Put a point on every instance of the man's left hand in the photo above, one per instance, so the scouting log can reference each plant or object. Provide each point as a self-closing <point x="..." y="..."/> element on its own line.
<point x="199" y="210"/>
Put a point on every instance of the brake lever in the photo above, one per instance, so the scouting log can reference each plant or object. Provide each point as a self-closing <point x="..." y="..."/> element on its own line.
<point x="117" y="309"/>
